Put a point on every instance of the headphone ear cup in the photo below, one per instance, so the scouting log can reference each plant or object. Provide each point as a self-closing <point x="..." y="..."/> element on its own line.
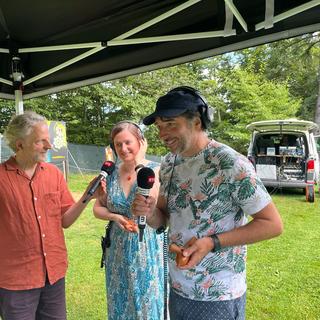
<point x="207" y="116"/>
<point x="210" y="114"/>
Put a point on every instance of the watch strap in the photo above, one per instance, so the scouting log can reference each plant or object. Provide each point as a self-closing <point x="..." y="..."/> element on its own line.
<point x="216" y="243"/>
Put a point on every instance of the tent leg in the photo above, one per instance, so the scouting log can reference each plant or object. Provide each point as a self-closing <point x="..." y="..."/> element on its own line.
<point x="19" y="101"/>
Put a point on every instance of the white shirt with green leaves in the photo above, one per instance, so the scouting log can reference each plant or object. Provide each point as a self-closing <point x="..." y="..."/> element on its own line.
<point x="211" y="192"/>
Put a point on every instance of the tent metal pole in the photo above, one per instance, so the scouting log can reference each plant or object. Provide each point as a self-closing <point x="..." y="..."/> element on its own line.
<point x="157" y="19"/>
<point x="237" y="14"/>
<point x="290" y="13"/>
<point x="5" y="81"/>
<point x="19" y="101"/>
<point x="177" y="37"/>
<point x="61" y="47"/>
<point x="171" y="62"/>
<point x="64" y="65"/>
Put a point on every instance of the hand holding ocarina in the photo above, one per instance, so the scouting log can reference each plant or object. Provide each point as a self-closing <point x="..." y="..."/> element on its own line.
<point x="131" y="225"/>
<point x="181" y="260"/>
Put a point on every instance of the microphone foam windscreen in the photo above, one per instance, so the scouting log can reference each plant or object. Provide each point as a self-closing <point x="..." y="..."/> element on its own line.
<point x="108" y="167"/>
<point x="145" y="178"/>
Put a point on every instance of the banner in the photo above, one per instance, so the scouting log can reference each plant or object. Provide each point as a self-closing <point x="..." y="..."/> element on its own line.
<point x="58" y="140"/>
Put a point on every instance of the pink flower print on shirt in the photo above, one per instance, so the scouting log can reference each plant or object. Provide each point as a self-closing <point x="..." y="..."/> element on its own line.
<point x="237" y="250"/>
<point x="176" y="285"/>
<point x="241" y="176"/>
<point x="199" y="196"/>
<point x="207" y="284"/>
<point x="253" y="181"/>
<point x="217" y="181"/>
<point x="185" y="185"/>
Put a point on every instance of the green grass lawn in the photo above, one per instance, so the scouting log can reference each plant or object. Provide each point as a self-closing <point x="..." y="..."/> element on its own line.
<point x="283" y="273"/>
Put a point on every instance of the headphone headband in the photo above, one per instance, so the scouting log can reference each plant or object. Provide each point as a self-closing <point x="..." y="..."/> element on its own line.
<point x="129" y="122"/>
<point x="141" y="135"/>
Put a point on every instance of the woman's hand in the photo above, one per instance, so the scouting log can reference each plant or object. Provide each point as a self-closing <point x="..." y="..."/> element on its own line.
<point x="126" y="224"/>
<point x="140" y="156"/>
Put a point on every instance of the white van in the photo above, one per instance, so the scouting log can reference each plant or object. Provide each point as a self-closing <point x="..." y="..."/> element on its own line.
<point x="284" y="154"/>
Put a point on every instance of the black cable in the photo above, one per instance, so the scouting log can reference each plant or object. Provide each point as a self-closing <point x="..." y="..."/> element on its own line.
<point x="105" y="243"/>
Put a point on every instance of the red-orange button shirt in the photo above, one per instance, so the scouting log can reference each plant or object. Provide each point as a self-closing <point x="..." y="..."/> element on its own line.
<point x="31" y="235"/>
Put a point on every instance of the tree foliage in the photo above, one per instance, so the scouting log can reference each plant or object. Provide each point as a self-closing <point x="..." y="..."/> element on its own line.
<point x="273" y="81"/>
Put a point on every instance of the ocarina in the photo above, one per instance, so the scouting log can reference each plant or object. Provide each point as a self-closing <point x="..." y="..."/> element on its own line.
<point x="131" y="225"/>
<point x="181" y="260"/>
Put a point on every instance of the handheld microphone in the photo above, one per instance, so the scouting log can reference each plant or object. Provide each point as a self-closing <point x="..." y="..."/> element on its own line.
<point x="145" y="181"/>
<point x="106" y="169"/>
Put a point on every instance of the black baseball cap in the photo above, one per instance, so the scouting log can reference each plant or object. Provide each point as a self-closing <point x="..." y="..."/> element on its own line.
<point x="173" y="104"/>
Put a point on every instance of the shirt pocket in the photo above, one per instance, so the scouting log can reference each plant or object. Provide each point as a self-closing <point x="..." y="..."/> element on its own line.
<point x="52" y="204"/>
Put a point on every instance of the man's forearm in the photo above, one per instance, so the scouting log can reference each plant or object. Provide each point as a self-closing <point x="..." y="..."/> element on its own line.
<point x="265" y="225"/>
<point x="72" y="214"/>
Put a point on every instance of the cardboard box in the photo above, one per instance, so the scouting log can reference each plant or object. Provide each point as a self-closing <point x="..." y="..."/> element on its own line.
<point x="271" y="151"/>
<point x="266" y="171"/>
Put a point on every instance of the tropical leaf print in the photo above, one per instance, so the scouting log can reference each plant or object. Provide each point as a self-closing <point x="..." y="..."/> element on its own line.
<point x="198" y="292"/>
<point x="181" y="200"/>
<point x="225" y="161"/>
<point x="203" y="223"/>
<point x="217" y="215"/>
<point x="194" y="209"/>
<point x="246" y="189"/>
<point x="207" y="187"/>
<point x="208" y="156"/>
<point x="214" y="289"/>
<point x="238" y="216"/>
<point x="224" y="192"/>
<point x="237" y="257"/>
<point x="213" y="170"/>
<point x="239" y="264"/>
<point x="217" y="290"/>
<point x="215" y="263"/>
<point x="174" y="185"/>
<point x="217" y="150"/>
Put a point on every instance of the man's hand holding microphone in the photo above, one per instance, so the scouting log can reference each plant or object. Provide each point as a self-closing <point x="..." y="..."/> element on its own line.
<point x="91" y="191"/>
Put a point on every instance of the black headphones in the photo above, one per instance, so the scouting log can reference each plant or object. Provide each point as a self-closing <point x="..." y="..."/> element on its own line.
<point x="206" y="112"/>
<point x="140" y="133"/>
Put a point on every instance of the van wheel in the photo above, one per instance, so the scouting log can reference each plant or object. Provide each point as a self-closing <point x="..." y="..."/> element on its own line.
<point x="310" y="193"/>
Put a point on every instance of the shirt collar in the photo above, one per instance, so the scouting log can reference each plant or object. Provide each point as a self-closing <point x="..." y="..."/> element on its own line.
<point x="12" y="165"/>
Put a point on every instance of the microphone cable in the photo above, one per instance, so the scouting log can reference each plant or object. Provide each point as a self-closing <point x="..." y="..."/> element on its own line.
<point x="163" y="230"/>
<point x="165" y="270"/>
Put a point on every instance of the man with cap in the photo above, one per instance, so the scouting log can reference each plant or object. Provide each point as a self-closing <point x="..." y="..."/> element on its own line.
<point x="207" y="192"/>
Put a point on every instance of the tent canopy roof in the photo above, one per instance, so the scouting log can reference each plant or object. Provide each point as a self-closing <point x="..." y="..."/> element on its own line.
<point x="59" y="45"/>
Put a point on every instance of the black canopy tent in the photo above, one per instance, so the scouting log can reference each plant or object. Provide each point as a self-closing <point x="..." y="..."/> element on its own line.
<point x="50" y="46"/>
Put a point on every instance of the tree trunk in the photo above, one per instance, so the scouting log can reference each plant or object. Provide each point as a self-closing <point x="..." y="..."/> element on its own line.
<point x="317" y="112"/>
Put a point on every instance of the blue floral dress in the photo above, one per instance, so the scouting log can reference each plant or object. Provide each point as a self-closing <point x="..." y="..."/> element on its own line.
<point x="134" y="270"/>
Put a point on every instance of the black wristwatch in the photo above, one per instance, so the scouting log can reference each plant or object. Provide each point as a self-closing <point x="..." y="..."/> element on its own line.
<point x="216" y="243"/>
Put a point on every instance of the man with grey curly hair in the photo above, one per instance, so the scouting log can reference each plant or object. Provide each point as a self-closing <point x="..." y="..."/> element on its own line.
<point x="35" y="206"/>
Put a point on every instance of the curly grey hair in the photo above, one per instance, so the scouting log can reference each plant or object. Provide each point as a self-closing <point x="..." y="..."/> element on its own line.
<point x="20" y="126"/>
